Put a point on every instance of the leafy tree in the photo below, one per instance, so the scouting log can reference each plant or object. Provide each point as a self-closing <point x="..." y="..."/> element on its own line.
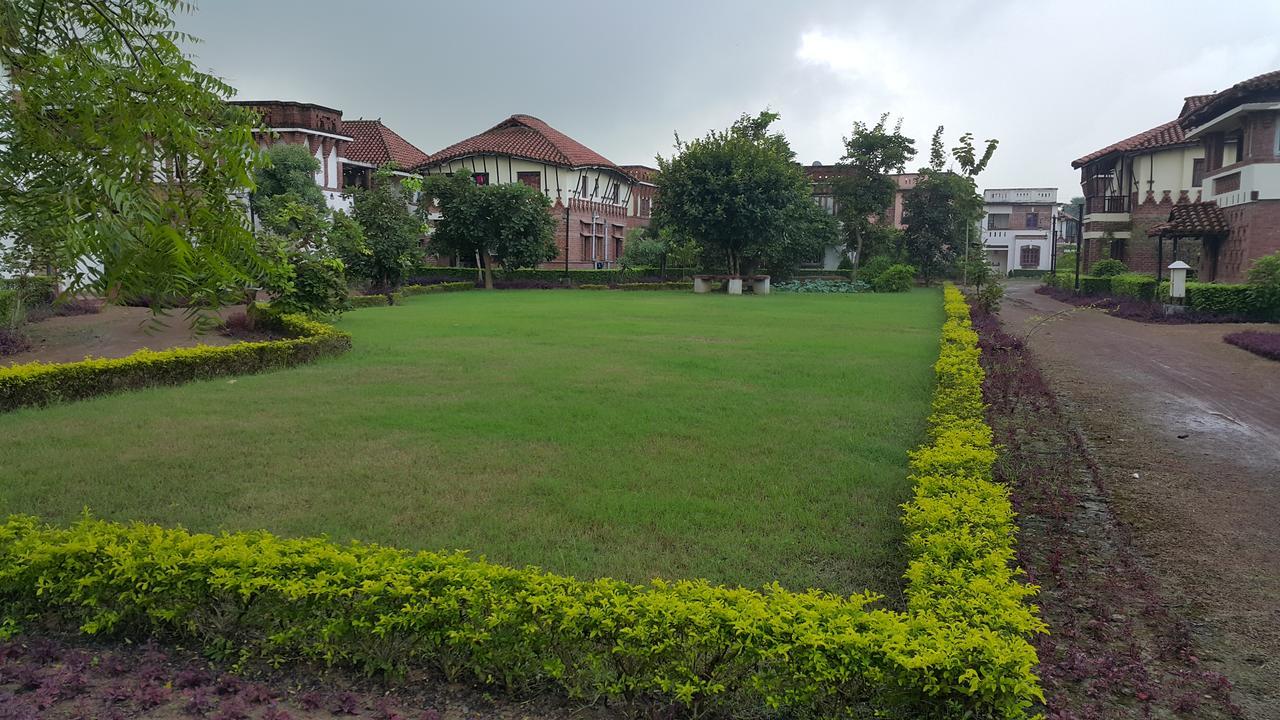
<point x="656" y="247"/>
<point x="734" y="192"/>
<point x="390" y="228"/>
<point x="1264" y="279"/>
<point x="864" y="191"/>
<point x="945" y="205"/>
<point x="287" y="176"/>
<point x="117" y="149"/>
<point x="510" y="224"/>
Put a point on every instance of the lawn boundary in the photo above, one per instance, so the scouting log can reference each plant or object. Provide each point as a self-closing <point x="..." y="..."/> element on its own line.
<point x="960" y="649"/>
<point x="38" y="384"/>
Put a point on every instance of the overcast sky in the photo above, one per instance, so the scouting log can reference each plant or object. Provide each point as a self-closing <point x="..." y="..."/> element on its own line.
<point x="1052" y="81"/>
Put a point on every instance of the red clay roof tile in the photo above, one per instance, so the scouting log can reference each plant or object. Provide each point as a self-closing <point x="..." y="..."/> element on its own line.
<point x="527" y="137"/>
<point x="1192" y="219"/>
<point x="376" y="144"/>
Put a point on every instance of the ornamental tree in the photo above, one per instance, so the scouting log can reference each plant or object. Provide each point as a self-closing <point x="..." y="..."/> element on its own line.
<point x="391" y="230"/>
<point x="945" y="205"/>
<point x="117" y="150"/>
<point x="734" y="192"/>
<point x="509" y="224"/>
<point x="864" y="190"/>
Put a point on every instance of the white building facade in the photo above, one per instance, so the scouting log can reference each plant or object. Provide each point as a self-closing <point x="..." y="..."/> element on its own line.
<point x="1018" y="228"/>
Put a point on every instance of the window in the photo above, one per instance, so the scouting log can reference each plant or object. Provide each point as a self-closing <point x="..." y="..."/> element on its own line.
<point x="644" y="207"/>
<point x="583" y="190"/>
<point x="532" y="179"/>
<point x="1033" y="220"/>
<point x="481" y="178"/>
<point x="998" y="221"/>
<point x="1197" y="172"/>
<point x="1029" y="257"/>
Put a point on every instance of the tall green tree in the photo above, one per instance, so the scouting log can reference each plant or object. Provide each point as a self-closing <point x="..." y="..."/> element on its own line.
<point x="864" y="190"/>
<point x="288" y="175"/>
<point x="941" y="212"/>
<point x="510" y="224"/>
<point x="734" y="192"/>
<point x="391" y="229"/>
<point x="117" y="149"/>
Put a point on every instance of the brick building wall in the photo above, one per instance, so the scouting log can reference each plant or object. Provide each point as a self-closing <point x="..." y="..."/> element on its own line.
<point x="1255" y="232"/>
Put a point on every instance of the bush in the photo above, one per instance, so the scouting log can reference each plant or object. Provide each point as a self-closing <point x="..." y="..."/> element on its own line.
<point x="426" y="274"/>
<point x="1134" y="285"/>
<point x="315" y="286"/>
<point x="1090" y="285"/>
<point x="895" y="278"/>
<point x="365" y="301"/>
<point x="1108" y="267"/>
<point x="38" y="384"/>
<point x="1236" y="300"/>
<point x="1264" y="279"/>
<point x="682" y="647"/>
<point x="872" y="268"/>
<point x="408" y="291"/>
<point x="655" y="286"/>
<point x="846" y="263"/>
<point x="13" y="341"/>
<point x="37" y="289"/>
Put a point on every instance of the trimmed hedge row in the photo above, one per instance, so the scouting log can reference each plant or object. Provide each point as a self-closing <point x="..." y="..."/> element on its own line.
<point x="1134" y="285"/>
<point x="364" y="301"/>
<point x="960" y="650"/>
<point x="38" y="384"/>
<point x="594" y="277"/>
<point x="408" y="291"/>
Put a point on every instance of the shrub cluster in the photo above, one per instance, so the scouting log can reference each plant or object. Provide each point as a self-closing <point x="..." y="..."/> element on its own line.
<point x="895" y="278"/>
<point x="1108" y="267"/>
<point x="960" y="650"/>
<point x="38" y="384"/>
<point x="1266" y="344"/>
<point x="1134" y="285"/>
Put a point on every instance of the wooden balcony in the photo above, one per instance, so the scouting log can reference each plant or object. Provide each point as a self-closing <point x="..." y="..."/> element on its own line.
<point x="1106" y="204"/>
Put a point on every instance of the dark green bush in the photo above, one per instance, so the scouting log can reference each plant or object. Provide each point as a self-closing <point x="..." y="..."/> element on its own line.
<point x="1108" y="267"/>
<point x="1134" y="285"/>
<point x="1091" y="285"/>
<point x="872" y="268"/>
<point x="1027" y="273"/>
<point x="895" y="278"/>
<point x="1237" y="300"/>
<point x="1264" y="279"/>
<point x="317" y="287"/>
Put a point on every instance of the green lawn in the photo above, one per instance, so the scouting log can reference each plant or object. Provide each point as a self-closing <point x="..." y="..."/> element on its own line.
<point x="594" y="433"/>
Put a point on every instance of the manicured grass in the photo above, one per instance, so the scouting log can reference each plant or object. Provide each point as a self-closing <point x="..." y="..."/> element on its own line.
<point x="632" y="435"/>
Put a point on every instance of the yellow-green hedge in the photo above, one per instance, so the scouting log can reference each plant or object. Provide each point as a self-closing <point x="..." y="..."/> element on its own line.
<point x="37" y="383"/>
<point x="960" y="649"/>
<point x="411" y="290"/>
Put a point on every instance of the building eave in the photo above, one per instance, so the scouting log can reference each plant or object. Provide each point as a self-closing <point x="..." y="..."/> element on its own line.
<point x="1217" y="122"/>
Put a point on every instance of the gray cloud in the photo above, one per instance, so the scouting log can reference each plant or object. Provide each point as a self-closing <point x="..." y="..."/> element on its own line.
<point x="1051" y="80"/>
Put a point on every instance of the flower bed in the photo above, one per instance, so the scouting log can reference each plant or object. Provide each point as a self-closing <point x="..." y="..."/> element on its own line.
<point x="37" y="383"/>
<point x="960" y="649"/>
<point x="1266" y="344"/>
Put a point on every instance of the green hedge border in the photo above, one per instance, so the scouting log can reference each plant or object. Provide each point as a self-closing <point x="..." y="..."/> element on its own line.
<point x="37" y="384"/>
<point x="960" y="650"/>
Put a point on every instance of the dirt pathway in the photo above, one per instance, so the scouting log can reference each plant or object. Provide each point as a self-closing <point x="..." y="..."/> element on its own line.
<point x="1187" y="432"/>
<point x="115" y="332"/>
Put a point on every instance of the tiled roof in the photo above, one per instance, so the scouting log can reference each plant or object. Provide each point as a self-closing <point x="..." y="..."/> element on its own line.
<point x="1165" y="135"/>
<point x="1192" y="219"/>
<point x="1191" y="103"/>
<point x="525" y="136"/>
<point x="1223" y="101"/>
<point x="376" y="144"/>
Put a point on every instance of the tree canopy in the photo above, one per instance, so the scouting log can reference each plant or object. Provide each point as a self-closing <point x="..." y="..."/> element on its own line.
<point x="864" y="190"/>
<point x="941" y="212"/>
<point x="736" y="192"/>
<point x="116" y="149"/>
<point x="391" y="230"/>
<point x="288" y="175"/>
<point x="508" y="223"/>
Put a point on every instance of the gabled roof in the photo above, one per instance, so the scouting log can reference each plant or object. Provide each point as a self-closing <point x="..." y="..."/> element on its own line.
<point x="376" y="144"/>
<point x="1221" y="102"/>
<point x="1191" y="220"/>
<point x="1167" y="135"/>
<point x="525" y="136"/>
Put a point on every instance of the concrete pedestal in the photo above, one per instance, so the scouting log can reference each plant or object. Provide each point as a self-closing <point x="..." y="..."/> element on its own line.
<point x="735" y="286"/>
<point x="701" y="284"/>
<point x="760" y="285"/>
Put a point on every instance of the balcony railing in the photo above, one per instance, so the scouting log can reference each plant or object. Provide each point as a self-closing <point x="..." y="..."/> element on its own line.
<point x="1107" y="204"/>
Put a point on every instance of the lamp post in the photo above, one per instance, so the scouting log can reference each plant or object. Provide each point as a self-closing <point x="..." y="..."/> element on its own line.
<point x="1177" y="281"/>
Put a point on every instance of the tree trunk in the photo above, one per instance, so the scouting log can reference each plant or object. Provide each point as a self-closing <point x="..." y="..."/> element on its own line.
<point x="488" y="270"/>
<point x="857" y="254"/>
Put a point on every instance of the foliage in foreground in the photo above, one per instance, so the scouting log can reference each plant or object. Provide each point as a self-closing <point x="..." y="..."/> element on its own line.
<point x="37" y="383"/>
<point x="959" y="650"/>
<point x="118" y="149"/>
